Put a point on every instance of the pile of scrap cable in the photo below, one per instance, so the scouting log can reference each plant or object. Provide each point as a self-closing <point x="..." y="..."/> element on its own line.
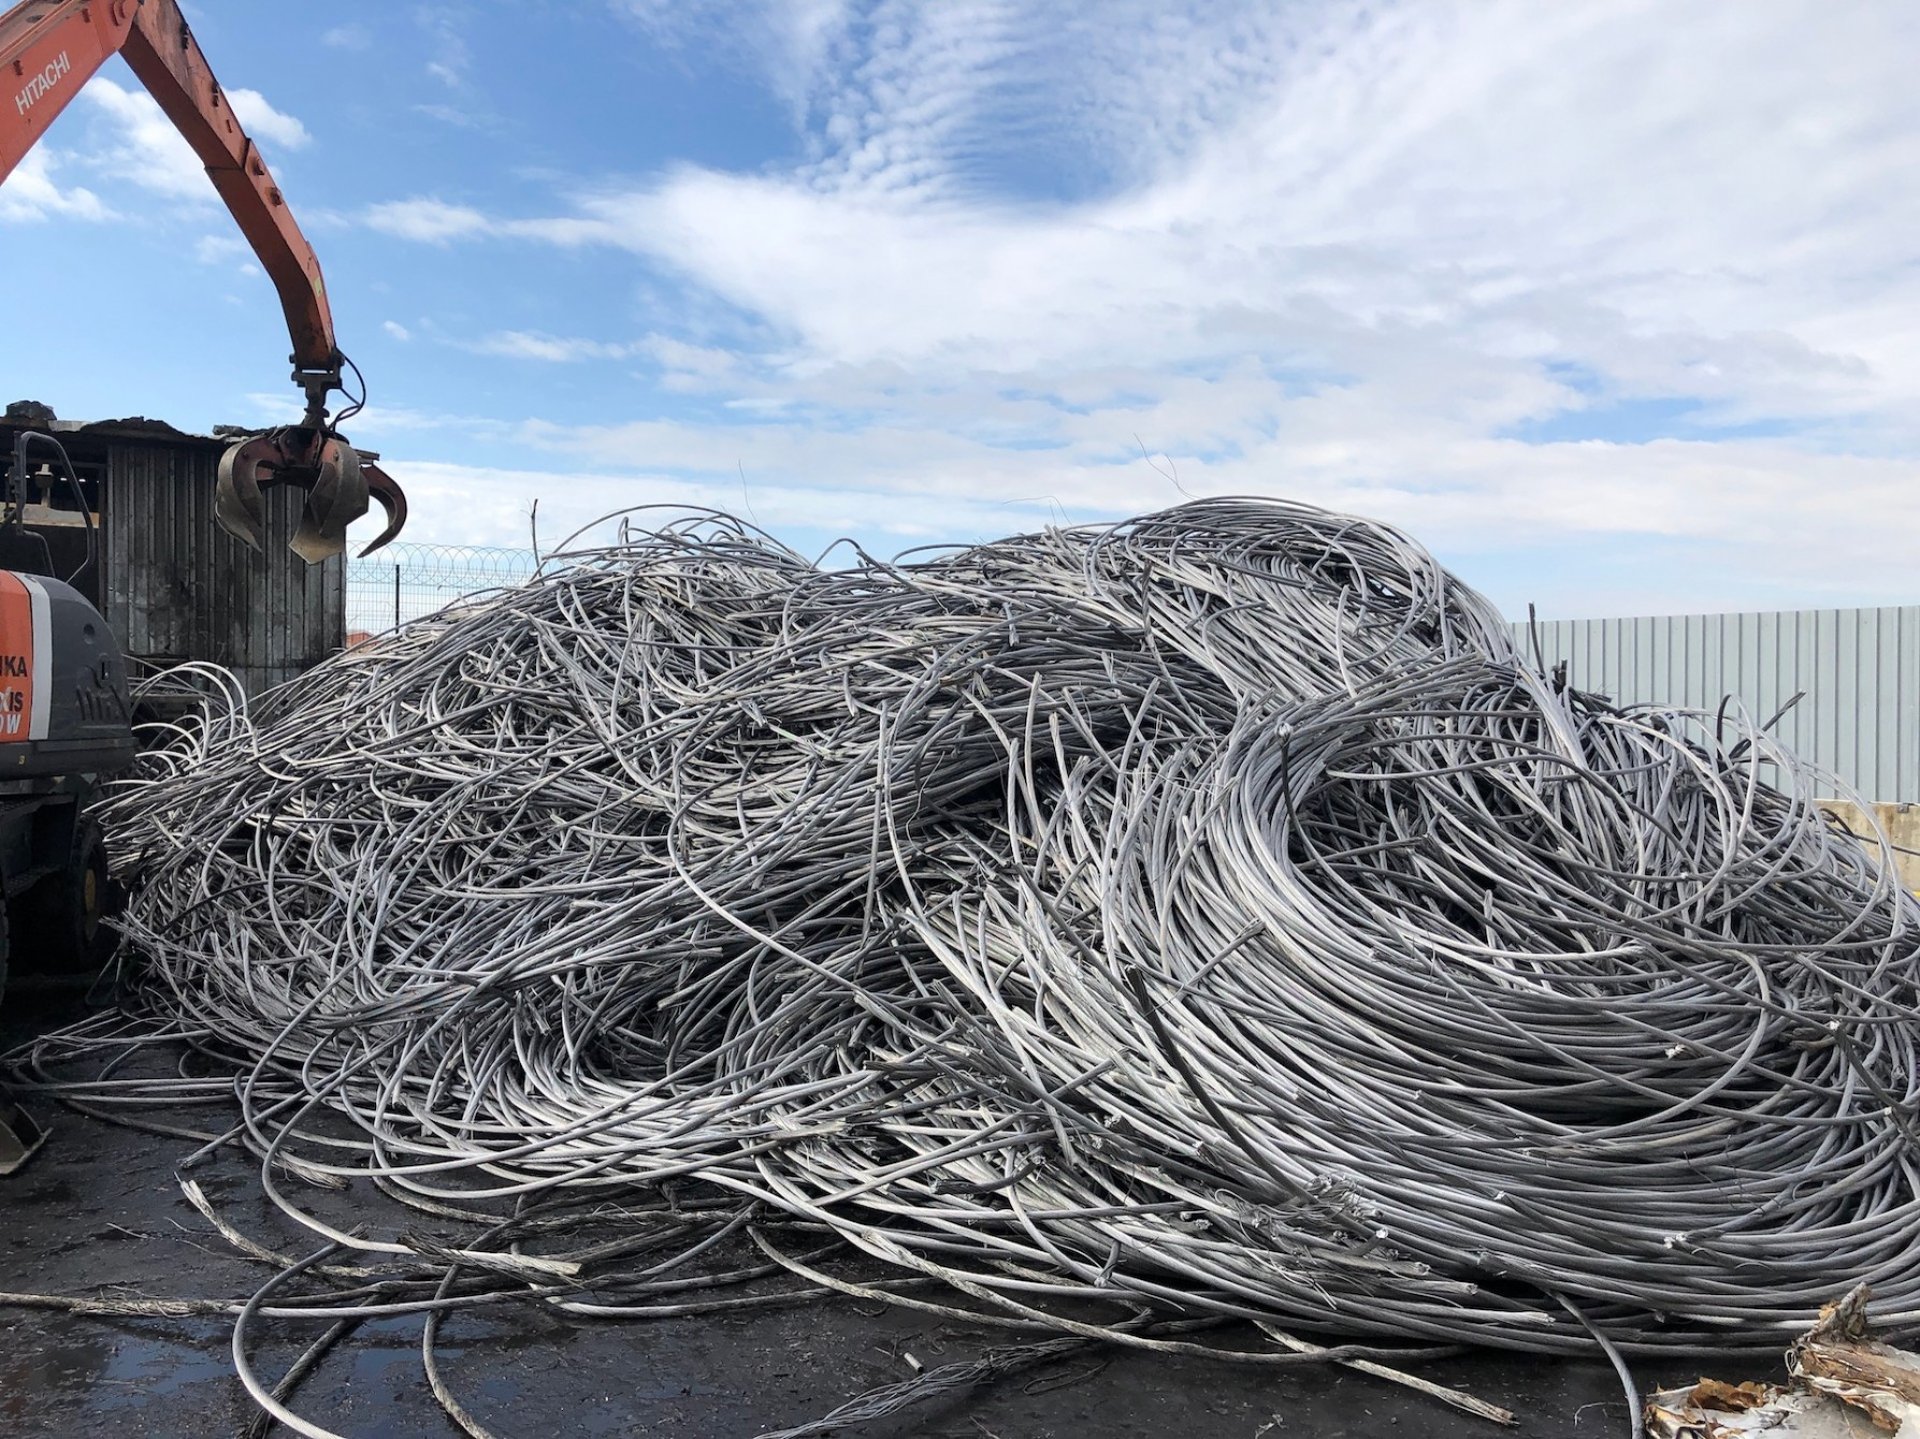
<point x="1211" y="915"/>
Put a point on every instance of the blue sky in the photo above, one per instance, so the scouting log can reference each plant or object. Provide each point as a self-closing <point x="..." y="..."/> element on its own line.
<point x="1615" y="305"/>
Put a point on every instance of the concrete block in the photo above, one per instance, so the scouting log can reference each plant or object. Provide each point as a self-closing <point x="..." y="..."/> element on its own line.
<point x="1900" y="823"/>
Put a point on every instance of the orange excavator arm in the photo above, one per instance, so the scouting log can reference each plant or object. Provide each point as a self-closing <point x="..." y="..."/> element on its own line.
<point x="48" y="50"/>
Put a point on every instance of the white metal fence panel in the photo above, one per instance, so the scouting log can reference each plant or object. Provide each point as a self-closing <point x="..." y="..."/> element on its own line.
<point x="1857" y="670"/>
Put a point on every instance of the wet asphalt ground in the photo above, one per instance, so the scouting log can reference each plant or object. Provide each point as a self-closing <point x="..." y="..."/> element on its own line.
<point x="99" y="1209"/>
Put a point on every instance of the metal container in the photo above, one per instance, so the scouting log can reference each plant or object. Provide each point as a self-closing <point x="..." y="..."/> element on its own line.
<point x="172" y="585"/>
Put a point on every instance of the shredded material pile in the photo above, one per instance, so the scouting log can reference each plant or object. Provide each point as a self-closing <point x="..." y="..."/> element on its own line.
<point x="1212" y="914"/>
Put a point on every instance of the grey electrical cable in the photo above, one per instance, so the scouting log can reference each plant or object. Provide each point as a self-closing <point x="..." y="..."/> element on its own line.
<point x="1211" y="913"/>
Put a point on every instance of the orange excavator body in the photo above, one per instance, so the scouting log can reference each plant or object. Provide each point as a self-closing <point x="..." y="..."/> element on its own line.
<point x="48" y="51"/>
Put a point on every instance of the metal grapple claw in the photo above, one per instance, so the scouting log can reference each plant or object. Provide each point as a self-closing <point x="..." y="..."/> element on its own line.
<point x="336" y="498"/>
<point x="237" y="502"/>
<point x="323" y="465"/>
<point x="382" y="487"/>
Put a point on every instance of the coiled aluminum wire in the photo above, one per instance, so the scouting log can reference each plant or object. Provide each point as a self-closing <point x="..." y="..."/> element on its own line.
<point x="1211" y="913"/>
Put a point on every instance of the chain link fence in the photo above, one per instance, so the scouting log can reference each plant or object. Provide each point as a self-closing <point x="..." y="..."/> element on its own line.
<point x="405" y="581"/>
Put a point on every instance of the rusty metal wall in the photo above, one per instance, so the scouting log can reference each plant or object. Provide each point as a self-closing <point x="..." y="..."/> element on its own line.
<point x="1859" y="669"/>
<point x="178" y="587"/>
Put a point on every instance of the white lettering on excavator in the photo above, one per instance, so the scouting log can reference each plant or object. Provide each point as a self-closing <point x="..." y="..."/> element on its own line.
<point x="41" y="83"/>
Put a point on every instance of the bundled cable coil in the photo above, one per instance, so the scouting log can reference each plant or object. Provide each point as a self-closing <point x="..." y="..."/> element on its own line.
<point x="1213" y="913"/>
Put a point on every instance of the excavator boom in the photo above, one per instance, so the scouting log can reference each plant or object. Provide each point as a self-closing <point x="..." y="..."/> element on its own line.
<point x="48" y="50"/>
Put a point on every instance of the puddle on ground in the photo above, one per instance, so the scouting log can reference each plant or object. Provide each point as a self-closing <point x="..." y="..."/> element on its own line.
<point x="110" y="1371"/>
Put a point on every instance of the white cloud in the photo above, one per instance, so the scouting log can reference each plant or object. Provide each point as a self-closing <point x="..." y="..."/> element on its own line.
<point x="450" y="56"/>
<point x="378" y="423"/>
<point x="429" y="221"/>
<point x="141" y="145"/>
<point x="433" y="221"/>
<point x="266" y="125"/>
<point x="1340" y="251"/>
<point x="1513" y="179"/>
<point x="484" y="505"/>
<point x="787" y="42"/>
<point x="31" y="193"/>
<point x="396" y="330"/>
<point x="528" y="345"/>
<point x="348" y="37"/>
<point x="1757" y="521"/>
<point x="456" y="116"/>
<point x="218" y="249"/>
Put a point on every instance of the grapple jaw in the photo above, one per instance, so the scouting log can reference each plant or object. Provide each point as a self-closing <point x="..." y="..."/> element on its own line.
<point x="337" y="485"/>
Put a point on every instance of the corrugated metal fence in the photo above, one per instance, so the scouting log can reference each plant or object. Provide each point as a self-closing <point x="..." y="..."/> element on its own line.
<point x="1859" y="671"/>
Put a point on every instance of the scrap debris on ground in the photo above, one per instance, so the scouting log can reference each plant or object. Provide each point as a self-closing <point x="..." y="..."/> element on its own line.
<point x="1839" y="1372"/>
<point x="1208" y="934"/>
